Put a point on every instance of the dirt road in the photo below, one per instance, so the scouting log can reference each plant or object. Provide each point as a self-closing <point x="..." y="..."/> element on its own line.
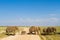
<point x="22" y="37"/>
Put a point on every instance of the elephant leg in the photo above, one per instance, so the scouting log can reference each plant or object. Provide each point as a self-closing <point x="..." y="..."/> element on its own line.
<point x="30" y="32"/>
<point x="37" y="32"/>
<point x="13" y="33"/>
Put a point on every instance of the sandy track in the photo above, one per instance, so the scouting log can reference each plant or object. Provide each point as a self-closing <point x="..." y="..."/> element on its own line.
<point x="49" y="38"/>
<point x="43" y="38"/>
<point x="23" y="37"/>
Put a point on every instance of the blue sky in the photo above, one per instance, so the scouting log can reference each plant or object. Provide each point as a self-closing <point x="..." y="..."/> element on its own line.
<point x="30" y="12"/>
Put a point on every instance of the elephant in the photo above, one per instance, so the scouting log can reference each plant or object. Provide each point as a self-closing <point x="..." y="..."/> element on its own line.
<point x="23" y="32"/>
<point x="49" y="30"/>
<point x="10" y="30"/>
<point x="34" y="30"/>
<point x="53" y="30"/>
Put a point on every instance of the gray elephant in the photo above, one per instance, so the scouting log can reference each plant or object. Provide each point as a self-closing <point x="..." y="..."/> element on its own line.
<point x="34" y="30"/>
<point x="23" y="32"/>
<point x="11" y="30"/>
<point x="49" y="30"/>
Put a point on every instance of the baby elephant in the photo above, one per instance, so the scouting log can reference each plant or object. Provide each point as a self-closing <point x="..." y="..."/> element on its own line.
<point x="23" y="32"/>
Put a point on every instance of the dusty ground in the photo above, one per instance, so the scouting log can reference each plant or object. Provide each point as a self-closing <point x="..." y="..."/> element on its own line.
<point x="18" y="36"/>
<point x="43" y="38"/>
<point x="22" y="37"/>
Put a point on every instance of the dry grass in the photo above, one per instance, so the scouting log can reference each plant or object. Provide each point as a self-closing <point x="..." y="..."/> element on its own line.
<point x="52" y="37"/>
<point x="48" y="37"/>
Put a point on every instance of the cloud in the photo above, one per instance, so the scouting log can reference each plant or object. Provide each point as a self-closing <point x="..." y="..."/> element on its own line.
<point x="52" y="14"/>
<point x="54" y="19"/>
<point x="30" y="21"/>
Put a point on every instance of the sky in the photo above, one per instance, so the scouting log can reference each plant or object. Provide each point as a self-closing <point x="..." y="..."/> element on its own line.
<point x="30" y="12"/>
